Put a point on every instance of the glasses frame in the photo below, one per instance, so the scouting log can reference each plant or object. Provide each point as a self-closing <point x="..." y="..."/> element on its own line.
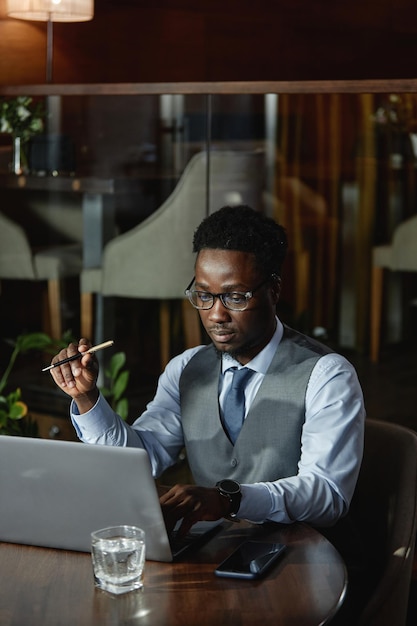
<point x="222" y="296"/>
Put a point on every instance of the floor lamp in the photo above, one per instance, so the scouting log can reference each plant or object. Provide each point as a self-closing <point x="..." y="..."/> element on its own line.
<point x="51" y="11"/>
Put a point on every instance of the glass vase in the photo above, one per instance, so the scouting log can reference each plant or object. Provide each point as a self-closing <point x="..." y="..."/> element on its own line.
<point x="19" y="161"/>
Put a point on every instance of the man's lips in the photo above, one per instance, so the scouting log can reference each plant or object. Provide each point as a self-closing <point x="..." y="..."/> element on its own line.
<point x="222" y="335"/>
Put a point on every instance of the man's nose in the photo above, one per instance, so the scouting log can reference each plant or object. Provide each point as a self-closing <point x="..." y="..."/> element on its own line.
<point x="218" y="311"/>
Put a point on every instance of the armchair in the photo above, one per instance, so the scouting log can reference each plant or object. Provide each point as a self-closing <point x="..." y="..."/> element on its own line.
<point x="399" y="256"/>
<point x="18" y="261"/>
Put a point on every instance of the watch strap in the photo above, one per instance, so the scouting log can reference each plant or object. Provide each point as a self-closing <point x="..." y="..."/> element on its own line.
<point x="230" y="489"/>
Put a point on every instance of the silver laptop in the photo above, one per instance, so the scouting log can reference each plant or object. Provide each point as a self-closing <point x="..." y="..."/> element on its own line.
<point x="55" y="493"/>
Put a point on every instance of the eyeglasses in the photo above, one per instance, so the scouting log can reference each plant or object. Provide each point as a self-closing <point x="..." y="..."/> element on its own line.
<point x="234" y="300"/>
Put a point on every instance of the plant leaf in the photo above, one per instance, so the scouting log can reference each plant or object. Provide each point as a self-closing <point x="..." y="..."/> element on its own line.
<point x="116" y="363"/>
<point x="18" y="410"/>
<point x="14" y="396"/>
<point x="122" y="408"/>
<point x="120" y="385"/>
<point x="33" y="341"/>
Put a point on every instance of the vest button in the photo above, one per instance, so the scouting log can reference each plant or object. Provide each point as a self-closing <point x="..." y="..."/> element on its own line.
<point x="234" y="462"/>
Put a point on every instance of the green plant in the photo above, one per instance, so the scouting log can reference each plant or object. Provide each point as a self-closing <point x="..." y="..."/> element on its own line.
<point x="117" y="383"/>
<point x="21" y="117"/>
<point x="14" y="416"/>
<point x="12" y="408"/>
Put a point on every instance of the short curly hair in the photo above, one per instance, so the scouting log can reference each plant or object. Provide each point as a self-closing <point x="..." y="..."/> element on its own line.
<point x="246" y="230"/>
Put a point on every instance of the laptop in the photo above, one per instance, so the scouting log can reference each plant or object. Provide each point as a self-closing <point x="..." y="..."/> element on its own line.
<point x="55" y="493"/>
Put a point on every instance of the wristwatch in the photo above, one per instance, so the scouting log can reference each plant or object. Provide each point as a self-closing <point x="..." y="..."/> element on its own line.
<point x="230" y="489"/>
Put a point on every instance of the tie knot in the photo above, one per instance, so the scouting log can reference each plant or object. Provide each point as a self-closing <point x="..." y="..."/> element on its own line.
<point x="240" y="376"/>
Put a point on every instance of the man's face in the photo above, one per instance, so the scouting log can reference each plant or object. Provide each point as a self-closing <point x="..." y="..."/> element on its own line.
<point x="240" y="333"/>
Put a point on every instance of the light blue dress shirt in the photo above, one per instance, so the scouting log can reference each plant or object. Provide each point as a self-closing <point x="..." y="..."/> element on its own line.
<point x="331" y="443"/>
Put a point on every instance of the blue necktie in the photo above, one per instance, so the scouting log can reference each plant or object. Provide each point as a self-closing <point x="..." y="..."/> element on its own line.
<point x="234" y="405"/>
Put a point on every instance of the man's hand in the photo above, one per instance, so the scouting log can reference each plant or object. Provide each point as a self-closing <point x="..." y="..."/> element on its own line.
<point x="77" y="378"/>
<point x="192" y="503"/>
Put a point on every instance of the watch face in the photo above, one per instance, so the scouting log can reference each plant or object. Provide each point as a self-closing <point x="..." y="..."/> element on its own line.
<point x="229" y="486"/>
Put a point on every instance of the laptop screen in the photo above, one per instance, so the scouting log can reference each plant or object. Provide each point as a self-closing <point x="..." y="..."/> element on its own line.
<point x="55" y="493"/>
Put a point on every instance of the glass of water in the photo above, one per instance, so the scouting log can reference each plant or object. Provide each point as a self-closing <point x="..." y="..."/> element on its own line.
<point x="118" y="555"/>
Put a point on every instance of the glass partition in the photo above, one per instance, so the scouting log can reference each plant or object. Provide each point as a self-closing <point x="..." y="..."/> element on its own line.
<point x="338" y="170"/>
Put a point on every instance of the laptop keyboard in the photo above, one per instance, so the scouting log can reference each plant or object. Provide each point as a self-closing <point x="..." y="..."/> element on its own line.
<point x="180" y="543"/>
<point x="199" y="533"/>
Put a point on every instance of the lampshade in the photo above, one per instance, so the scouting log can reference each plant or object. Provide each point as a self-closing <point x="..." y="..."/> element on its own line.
<point x="51" y="10"/>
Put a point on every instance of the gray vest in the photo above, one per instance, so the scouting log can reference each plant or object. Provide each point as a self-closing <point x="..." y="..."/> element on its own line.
<point x="269" y="444"/>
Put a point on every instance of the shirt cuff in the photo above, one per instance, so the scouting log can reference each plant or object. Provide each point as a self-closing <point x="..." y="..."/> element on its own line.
<point x="92" y="424"/>
<point x="255" y="505"/>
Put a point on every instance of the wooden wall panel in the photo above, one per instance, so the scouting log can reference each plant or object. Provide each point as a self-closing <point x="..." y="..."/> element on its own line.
<point x="22" y="52"/>
<point x="213" y="40"/>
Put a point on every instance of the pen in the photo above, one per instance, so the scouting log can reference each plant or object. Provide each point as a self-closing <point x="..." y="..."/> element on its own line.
<point x="79" y="355"/>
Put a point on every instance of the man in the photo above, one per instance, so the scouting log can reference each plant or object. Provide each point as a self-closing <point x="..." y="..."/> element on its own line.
<point x="298" y="452"/>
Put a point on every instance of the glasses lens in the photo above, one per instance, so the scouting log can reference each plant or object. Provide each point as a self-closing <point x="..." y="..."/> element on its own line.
<point x="200" y="299"/>
<point x="235" y="301"/>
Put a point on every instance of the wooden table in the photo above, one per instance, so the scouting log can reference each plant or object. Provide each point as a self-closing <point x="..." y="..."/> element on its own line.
<point x="42" y="587"/>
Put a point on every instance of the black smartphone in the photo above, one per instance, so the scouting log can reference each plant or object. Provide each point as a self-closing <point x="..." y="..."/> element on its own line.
<point x="250" y="560"/>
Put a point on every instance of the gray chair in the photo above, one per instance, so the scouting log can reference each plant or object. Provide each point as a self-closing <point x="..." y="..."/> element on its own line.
<point x="399" y="256"/>
<point x="51" y="264"/>
<point x="384" y="510"/>
<point x="154" y="260"/>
